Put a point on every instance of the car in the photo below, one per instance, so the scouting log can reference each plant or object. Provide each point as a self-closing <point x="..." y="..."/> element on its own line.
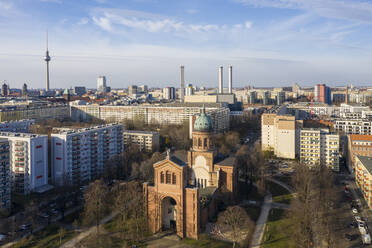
<point x="355" y="211"/>
<point x="358" y="219"/>
<point x="25" y="226"/>
<point x="252" y="202"/>
<point x="352" y="225"/>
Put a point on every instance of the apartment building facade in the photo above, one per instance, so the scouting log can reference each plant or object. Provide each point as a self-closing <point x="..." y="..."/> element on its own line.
<point x="20" y="126"/>
<point x="319" y="147"/>
<point x="363" y="177"/>
<point x="358" y="145"/>
<point x="145" y="140"/>
<point x="354" y="126"/>
<point x="28" y="161"/>
<point x="277" y="130"/>
<point x="59" y="111"/>
<point x="78" y="155"/>
<point x="5" y="175"/>
<point x="164" y="114"/>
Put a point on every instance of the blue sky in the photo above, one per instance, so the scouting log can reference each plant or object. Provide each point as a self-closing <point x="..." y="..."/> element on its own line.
<point x="268" y="42"/>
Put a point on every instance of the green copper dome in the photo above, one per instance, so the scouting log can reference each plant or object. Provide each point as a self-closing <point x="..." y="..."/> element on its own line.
<point x="66" y="92"/>
<point x="203" y="122"/>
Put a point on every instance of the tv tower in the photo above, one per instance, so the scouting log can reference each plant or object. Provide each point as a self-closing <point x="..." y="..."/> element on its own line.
<point x="47" y="59"/>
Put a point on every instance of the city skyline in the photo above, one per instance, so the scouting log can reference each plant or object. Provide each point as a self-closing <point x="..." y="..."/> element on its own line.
<point x="296" y="41"/>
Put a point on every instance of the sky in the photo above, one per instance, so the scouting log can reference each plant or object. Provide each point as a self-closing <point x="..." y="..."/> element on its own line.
<point x="268" y="42"/>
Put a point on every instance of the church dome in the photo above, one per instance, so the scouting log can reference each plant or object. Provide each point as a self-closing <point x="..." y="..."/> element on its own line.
<point x="203" y="122"/>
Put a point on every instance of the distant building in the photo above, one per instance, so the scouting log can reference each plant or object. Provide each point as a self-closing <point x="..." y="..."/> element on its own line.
<point x="101" y="84"/>
<point x="5" y="179"/>
<point x="266" y="98"/>
<point x="143" y="89"/>
<point x="145" y="140"/>
<point x="58" y="111"/>
<point x="363" y="177"/>
<point x="169" y="93"/>
<point x="319" y="147"/>
<point x="280" y="98"/>
<point x="322" y="93"/>
<point x="29" y="161"/>
<point x="5" y="90"/>
<point x="132" y="90"/>
<point x="24" y="90"/>
<point x="21" y="126"/>
<point x="78" y="155"/>
<point x="79" y="90"/>
<point x="354" y="126"/>
<point x="66" y="95"/>
<point x="252" y="97"/>
<point x="189" y="90"/>
<point x="358" y="145"/>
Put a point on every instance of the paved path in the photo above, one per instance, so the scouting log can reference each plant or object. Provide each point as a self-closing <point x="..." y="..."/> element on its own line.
<point x="286" y="186"/>
<point x="261" y="222"/>
<point x="72" y="243"/>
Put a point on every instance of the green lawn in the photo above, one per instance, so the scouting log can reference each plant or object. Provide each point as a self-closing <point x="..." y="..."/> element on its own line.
<point x="283" y="198"/>
<point x="206" y="242"/>
<point x="45" y="239"/>
<point x="276" y="231"/>
<point x="280" y="194"/>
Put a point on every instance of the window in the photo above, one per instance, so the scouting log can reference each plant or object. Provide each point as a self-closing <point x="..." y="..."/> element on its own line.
<point x="161" y="177"/>
<point x="174" y="178"/>
<point x="167" y="177"/>
<point x="205" y="142"/>
<point x="199" y="142"/>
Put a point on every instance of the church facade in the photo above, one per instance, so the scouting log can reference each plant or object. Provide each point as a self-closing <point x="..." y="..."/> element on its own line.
<point x="186" y="184"/>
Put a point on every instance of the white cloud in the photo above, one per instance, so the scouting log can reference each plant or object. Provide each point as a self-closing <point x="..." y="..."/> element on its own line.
<point x="248" y="25"/>
<point x="103" y="22"/>
<point x="83" y="21"/>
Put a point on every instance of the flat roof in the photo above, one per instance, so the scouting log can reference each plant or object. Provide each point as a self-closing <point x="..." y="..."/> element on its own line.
<point x="21" y="135"/>
<point x="72" y="130"/>
<point x="367" y="162"/>
<point x="140" y="132"/>
<point x="361" y="137"/>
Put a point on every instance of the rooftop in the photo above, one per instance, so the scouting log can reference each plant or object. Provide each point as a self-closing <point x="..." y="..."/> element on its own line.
<point x="21" y="135"/>
<point x="360" y="137"/>
<point x="140" y="132"/>
<point x="367" y="162"/>
<point x="82" y="130"/>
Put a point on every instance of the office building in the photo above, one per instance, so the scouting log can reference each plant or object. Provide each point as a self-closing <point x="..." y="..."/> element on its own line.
<point x="5" y="178"/>
<point x="358" y="145"/>
<point x="266" y="98"/>
<point x="143" y="89"/>
<point x="319" y="147"/>
<point x="5" y="90"/>
<point x="24" y="90"/>
<point x="145" y="140"/>
<point x="363" y="177"/>
<point x="28" y="161"/>
<point x="189" y="91"/>
<point x="277" y="130"/>
<point x="280" y="97"/>
<point x="322" y="93"/>
<point x="132" y="90"/>
<point x="101" y="84"/>
<point x="78" y="155"/>
<point x="169" y="93"/>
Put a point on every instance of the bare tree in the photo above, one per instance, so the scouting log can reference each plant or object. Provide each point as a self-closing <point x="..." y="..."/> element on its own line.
<point x="61" y="234"/>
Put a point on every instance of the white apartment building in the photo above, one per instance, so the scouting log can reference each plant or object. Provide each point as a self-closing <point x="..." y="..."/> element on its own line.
<point x="319" y="147"/>
<point x="28" y="160"/>
<point x="354" y="126"/>
<point x="78" y="155"/>
<point x="56" y="111"/>
<point x="280" y="133"/>
<point x="163" y="114"/>
<point x="145" y="140"/>
<point x="21" y="126"/>
<point x="5" y="176"/>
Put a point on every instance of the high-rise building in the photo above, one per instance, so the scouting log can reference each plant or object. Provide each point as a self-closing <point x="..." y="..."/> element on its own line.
<point x="79" y="90"/>
<point x="78" y="155"/>
<point x="319" y="147"/>
<point x="169" y="93"/>
<point x="322" y="93"/>
<point x="252" y="97"/>
<point x="47" y="59"/>
<point x="5" y="90"/>
<point x="280" y="98"/>
<point x="29" y="161"/>
<point x="5" y="179"/>
<point x="189" y="91"/>
<point x="132" y="90"/>
<point x="143" y="88"/>
<point x="24" y="90"/>
<point x="182" y="89"/>
<point x="145" y="140"/>
<point x="101" y="84"/>
<point x="266" y="98"/>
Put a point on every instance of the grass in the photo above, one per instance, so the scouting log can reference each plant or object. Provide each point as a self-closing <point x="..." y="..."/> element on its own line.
<point x="206" y="242"/>
<point x="286" y="199"/>
<point x="45" y="239"/>
<point x="276" y="231"/>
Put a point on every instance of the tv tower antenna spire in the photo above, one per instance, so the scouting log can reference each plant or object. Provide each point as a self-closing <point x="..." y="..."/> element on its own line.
<point x="47" y="59"/>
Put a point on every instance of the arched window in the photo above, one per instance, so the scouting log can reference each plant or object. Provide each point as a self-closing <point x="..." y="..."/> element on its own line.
<point x="174" y="178"/>
<point x="199" y="142"/>
<point x="167" y="178"/>
<point x="205" y="142"/>
<point x="161" y="177"/>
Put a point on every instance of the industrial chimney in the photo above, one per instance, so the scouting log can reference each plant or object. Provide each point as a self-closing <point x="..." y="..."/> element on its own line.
<point x="182" y="89"/>
<point x="220" y="80"/>
<point x="230" y="79"/>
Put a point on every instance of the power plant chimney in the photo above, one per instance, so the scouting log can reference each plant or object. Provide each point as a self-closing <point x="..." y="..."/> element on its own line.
<point x="230" y="79"/>
<point x="182" y="89"/>
<point x="220" y="80"/>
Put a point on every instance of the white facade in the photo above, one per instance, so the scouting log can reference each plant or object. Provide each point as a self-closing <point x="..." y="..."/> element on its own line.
<point x="145" y="140"/>
<point x="169" y="93"/>
<point x="5" y="178"/>
<point x="28" y="160"/>
<point x="354" y="126"/>
<point x="78" y="156"/>
<point x="101" y="83"/>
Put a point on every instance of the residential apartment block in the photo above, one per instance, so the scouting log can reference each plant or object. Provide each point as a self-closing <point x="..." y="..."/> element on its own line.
<point x="5" y="176"/>
<point x="21" y="126"/>
<point x="354" y="126"/>
<point x="78" y="155"/>
<point x="280" y="134"/>
<point x="58" y="111"/>
<point x="358" y="145"/>
<point x="145" y="140"/>
<point x="163" y="114"/>
<point x="363" y="177"/>
<point x="28" y="161"/>
<point x="319" y="147"/>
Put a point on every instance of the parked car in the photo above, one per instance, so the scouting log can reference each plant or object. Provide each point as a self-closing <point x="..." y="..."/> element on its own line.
<point x="358" y="219"/>
<point x="362" y="228"/>
<point x="355" y="211"/>
<point x="366" y="238"/>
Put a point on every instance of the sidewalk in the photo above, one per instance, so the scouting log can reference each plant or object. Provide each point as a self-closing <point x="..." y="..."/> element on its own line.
<point x="261" y="222"/>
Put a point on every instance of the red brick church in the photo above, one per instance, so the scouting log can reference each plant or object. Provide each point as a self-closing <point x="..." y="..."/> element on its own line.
<point x="186" y="184"/>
